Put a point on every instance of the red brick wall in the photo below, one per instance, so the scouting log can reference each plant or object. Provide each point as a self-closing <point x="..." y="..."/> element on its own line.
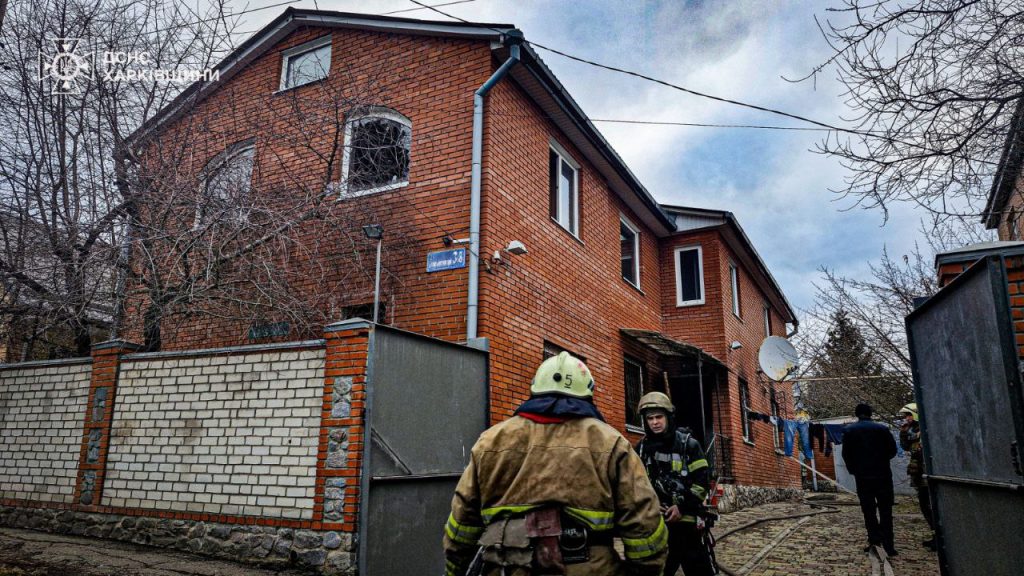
<point x="756" y="461"/>
<point x="346" y="356"/>
<point x="429" y="80"/>
<point x="1013" y="210"/>
<point x="566" y="290"/>
<point x="713" y="327"/>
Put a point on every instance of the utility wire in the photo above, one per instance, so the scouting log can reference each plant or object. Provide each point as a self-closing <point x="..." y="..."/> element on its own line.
<point x="434" y="6"/>
<point x="798" y="117"/>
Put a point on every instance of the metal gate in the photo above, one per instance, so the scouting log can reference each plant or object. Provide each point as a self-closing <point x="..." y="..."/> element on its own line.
<point x="427" y="403"/>
<point x="968" y="386"/>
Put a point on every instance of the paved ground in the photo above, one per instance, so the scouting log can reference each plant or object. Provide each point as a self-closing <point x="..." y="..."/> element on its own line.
<point x="829" y="543"/>
<point x="28" y="553"/>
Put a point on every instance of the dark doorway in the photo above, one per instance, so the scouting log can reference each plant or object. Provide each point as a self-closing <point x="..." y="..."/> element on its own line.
<point x="686" y="396"/>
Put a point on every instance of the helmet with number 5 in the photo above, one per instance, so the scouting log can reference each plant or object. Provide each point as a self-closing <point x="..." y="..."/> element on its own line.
<point x="563" y="374"/>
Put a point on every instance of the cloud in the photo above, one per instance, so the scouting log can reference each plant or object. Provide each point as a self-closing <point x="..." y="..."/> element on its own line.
<point x="772" y="181"/>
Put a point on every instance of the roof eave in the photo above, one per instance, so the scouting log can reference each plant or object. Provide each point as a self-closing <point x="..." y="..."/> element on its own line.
<point x="289" y="21"/>
<point x="732" y="224"/>
<point x="537" y="80"/>
<point x="1007" y="170"/>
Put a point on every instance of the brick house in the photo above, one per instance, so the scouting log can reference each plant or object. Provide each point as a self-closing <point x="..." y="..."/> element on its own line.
<point x="678" y="300"/>
<point x="1006" y="196"/>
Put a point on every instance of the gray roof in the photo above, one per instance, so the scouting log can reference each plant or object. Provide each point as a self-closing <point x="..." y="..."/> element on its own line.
<point x="533" y="76"/>
<point x="1007" y="171"/>
<point x="691" y="219"/>
<point x="972" y="252"/>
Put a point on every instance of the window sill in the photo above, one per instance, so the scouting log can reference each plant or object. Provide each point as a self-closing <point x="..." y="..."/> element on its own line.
<point x="282" y="90"/>
<point x="567" y="231"/>
<point x="689" y="303"/>
<point x="336" y="189"/>
<point x="779" y="452"/>
<point x="634" y="429"/>
<point x="634" y="287"/>
<point x="748" y="442"/>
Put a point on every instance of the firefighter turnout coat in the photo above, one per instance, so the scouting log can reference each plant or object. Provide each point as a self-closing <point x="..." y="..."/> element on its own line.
<point x="582" y="466"/>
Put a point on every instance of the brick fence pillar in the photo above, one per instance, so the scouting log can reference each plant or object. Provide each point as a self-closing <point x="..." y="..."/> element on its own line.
<point x="340" y="455"/>
<point x="92" y="461"/>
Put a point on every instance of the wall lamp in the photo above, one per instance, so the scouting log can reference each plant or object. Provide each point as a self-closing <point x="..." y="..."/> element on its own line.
<point x="375" y="232"/>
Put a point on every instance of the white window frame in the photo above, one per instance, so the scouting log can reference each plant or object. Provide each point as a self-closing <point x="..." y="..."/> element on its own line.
<point x="636" y="251"/>
<point x="767" y="320"/>
<point x="680" y="303"/>
<point x="299" y="50"/>
<point x="575" y="200"/>
<point x="355" y="119"/>
<point x="734" y="282"/>
<point x="776" y="436"/>
<point x="745" y="427"/>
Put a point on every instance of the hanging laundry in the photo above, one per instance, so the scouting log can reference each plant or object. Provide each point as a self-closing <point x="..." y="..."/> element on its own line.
<point x="788" y="431"/>
<point x="804" y="428"/>
<point x="835" y="432"/>
<point x="818" y="434"/>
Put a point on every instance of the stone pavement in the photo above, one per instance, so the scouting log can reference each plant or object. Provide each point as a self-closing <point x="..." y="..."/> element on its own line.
<point x="824" y="544"/>
<point x="831" y="543"/>
<point x="30" y="553"/>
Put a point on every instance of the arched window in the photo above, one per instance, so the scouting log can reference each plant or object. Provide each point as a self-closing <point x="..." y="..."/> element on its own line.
<point x="376" y="155"/>
<point x="226" y="184"/>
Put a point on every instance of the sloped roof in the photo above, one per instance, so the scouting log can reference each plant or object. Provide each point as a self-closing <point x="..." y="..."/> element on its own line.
<point x="1007" y="171"/>
<point x="533" y="76"/>
<point x="667" y="346"/>
<point x="690" y="219"/>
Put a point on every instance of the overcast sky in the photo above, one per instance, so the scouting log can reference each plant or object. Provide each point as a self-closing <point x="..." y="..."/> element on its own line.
<point x="771" y="180"/>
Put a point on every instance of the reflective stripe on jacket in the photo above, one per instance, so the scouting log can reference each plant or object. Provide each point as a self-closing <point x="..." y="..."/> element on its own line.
<point x="583" y="466"/>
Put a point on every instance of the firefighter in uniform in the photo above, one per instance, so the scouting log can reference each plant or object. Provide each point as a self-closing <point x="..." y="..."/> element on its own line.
<point x="910" y="440"/>
<point x="676" y="465"/>
<point x="546" y="490"/>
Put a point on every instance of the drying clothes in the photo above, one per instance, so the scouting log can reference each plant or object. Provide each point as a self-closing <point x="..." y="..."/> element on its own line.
<point x="804" y="428"/>
<point x="788" y="431"/>
<point x="818" y="435"/>
<point x="835" y="432"/>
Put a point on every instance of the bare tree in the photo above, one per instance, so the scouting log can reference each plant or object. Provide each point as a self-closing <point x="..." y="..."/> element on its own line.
<point x="228" y="232"/>
<point x="867" y="313"/>
<point x="933" y="86"/>
<point x="62" y="116"/>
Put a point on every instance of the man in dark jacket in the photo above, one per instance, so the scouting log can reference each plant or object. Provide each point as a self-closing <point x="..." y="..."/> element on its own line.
<point x="867" y="449"/>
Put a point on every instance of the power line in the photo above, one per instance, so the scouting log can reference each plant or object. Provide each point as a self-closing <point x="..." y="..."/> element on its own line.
<point x="425" y="7"/>
<point x="232" y="14"/>
<point x="822" y="125"/>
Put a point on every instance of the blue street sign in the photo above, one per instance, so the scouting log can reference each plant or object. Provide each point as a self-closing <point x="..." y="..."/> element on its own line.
<point x="446" y="260"/>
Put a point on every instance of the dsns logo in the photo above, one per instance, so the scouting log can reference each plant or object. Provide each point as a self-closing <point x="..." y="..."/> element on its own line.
<point x="65" y="67"/>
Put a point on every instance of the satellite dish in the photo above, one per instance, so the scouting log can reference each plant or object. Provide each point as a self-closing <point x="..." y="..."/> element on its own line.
<point x="777" y="357"/>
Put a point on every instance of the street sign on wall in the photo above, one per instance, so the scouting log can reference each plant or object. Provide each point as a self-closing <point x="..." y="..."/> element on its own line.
<point x="446" y="260"/>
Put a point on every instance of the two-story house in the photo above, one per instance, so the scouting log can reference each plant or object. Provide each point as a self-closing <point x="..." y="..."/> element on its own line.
<point x="457" y="137"/>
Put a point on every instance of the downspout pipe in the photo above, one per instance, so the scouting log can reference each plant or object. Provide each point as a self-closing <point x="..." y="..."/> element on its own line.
<point x="513" y="39"/>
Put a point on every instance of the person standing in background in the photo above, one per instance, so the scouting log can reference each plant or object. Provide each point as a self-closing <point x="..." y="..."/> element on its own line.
<point x="867" y="449"/>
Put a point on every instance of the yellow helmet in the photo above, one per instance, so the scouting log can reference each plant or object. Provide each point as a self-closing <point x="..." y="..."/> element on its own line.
<point x="563" y="374"/>
<point x="910" y="409"/>
<point x="653" y="400"/>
